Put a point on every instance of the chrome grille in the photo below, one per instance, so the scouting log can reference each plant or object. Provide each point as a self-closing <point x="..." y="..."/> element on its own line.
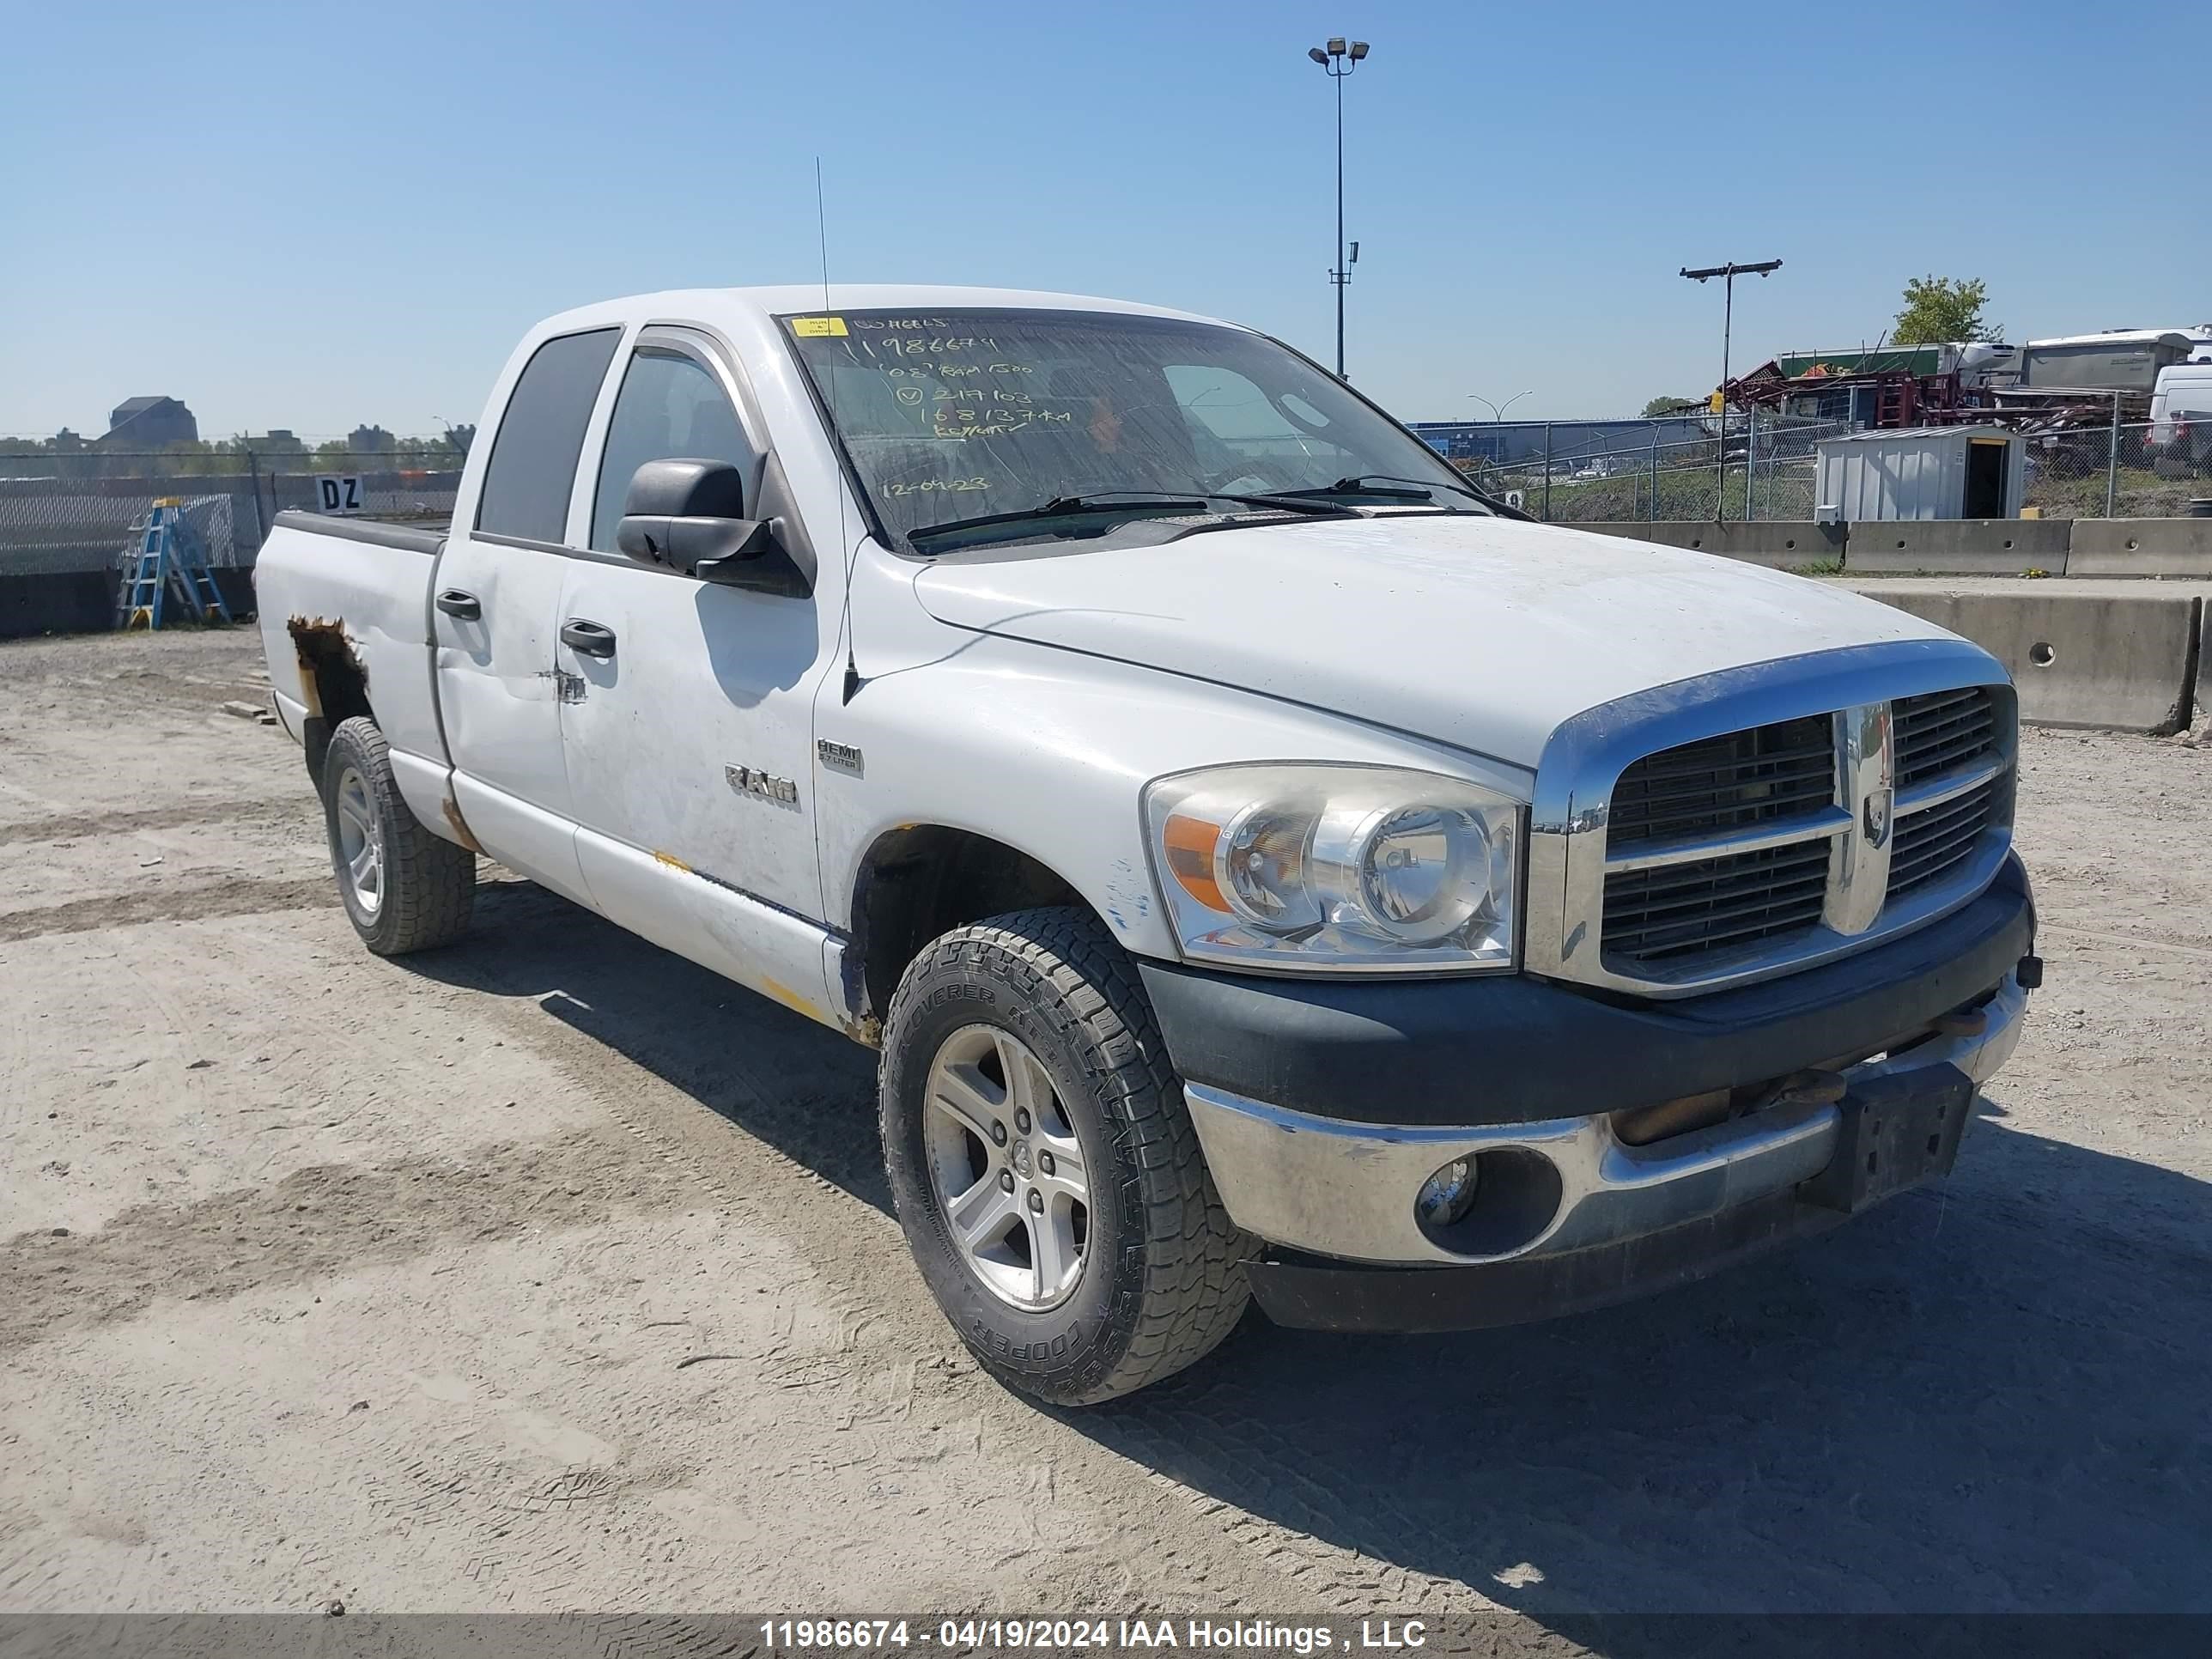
<point x="1932" y="843"/>
<point x="1742" y="845"/>
<point x="1942" y="730"/>
<point x="1738" y="779"/>
<point x="1755" y="822"/>
<point x="1720" y="903"/>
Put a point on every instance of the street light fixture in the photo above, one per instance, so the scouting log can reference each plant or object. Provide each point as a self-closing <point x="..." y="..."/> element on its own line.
<point x="1497" y="410"/>
<point x="1727" y="274"/>
<point x="1338" y="59"/>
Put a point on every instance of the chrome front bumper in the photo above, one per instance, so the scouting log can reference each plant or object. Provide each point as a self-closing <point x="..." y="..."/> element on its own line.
<point x="1346" y="1190"/>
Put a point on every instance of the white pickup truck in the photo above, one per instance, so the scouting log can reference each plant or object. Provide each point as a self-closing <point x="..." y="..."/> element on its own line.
<point x="1270" y="869"/>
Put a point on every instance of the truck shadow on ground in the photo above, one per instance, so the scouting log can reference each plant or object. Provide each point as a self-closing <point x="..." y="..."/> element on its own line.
<point x="801" y="1087"/>
<point x="1988" y="1396"/>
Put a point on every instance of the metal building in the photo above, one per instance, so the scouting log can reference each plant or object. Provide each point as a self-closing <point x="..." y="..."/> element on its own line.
<point x="1927" y="472"/>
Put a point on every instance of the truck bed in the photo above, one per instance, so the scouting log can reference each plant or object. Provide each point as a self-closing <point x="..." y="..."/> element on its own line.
<point x="415" y="536"/>
<point x="344" y="607"/>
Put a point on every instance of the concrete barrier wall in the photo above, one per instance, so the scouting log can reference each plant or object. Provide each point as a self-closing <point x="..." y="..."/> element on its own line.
<point x="2200" y="712"/>
<point x="1780" y="544"/>
<point x="84" y="601"/>
<point x="2141" y="547"/>
<point x="1958" y="547"/>
<point x="2088" y="660"/>
<point x="1951" y="547"/>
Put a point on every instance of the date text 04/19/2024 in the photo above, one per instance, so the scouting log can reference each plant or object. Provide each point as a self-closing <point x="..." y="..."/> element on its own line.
<point x="1051" y="1634"/>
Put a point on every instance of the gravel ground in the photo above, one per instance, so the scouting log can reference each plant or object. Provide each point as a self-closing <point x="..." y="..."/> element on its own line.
<point x="550" y="1272"/>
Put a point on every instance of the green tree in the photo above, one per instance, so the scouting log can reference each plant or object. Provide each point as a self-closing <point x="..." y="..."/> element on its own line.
<point x="1659" y="406"/>
<point x="186" y="458"/>
<point x="1939" y="309"/>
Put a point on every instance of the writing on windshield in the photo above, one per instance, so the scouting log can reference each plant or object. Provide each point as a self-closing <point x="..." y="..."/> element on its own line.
<point x="949" y="415"/>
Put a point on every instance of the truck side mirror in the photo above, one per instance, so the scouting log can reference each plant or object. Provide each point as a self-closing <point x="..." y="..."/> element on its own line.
<point x="681" y="513"/>
<point x="689" y="515"/>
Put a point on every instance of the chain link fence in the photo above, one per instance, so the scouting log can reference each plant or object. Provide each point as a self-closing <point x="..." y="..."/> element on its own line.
<point x="2148" y="470"/>
<point x="69" y="513"/>
<point x="51" y="526"/>
<point x="1766" y="467"/>
<point x="1623" y="472"/>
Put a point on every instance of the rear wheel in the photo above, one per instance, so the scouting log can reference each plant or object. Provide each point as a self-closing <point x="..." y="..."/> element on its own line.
<point x="1044" y="1167"/>
<point x="403" y="888"/>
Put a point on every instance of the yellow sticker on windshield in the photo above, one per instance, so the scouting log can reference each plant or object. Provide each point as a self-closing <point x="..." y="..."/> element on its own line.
<point x="816" y="326"/>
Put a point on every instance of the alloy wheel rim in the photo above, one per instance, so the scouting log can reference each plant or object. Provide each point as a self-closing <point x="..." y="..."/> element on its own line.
<point x="360" y="842"/>
<point x="1005" y="1167"/>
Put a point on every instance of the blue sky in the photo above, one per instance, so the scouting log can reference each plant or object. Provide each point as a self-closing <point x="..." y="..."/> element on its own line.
<point x="321" y="215"/>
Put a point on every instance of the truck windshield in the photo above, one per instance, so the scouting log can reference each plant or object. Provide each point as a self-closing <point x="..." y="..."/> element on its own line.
<point x="953" y="416"/>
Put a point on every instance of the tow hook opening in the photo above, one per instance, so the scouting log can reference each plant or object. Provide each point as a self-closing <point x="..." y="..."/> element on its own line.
<point x="1640" y="1126"/>
<point x="1506" y="1200"/>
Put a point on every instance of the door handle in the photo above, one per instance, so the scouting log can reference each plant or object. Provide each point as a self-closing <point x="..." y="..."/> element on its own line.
<point x="588" y="638"/>
<point x="464" y="606"/>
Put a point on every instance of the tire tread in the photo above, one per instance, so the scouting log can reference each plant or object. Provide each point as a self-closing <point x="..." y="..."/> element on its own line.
<point x="1194" y="1291"/>
<point x="429" y="882"/>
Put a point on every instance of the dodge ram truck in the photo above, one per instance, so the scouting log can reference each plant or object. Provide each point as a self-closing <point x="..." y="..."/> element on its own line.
<point x="1270" y="870"/>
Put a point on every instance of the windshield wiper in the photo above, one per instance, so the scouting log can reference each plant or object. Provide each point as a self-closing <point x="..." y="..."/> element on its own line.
<point x="1374" y="486"/>
<point x="1092" y="502"/>
<point x="1377" y="484"/>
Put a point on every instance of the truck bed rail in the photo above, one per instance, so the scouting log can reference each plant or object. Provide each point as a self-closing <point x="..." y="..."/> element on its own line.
<point x="425" y="539"/>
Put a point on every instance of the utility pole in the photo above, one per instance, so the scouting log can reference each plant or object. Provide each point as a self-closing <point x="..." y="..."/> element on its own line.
<point x="1727" y="274"/>
<point x="1338" y="59"/>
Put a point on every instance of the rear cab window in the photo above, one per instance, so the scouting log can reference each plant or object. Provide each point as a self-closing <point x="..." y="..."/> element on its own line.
<point x="532" y="468"/>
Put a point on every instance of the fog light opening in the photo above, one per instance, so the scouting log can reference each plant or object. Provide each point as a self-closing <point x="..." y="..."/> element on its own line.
<point x="1489" y="1203"/>
<point x="1447" y="1194"/>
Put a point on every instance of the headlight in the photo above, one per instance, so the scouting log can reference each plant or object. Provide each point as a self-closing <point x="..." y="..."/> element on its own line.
<point x="1343" y="868"/>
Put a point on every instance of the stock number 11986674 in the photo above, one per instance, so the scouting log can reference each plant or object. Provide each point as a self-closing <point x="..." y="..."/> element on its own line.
<point x="843" y="1634"/>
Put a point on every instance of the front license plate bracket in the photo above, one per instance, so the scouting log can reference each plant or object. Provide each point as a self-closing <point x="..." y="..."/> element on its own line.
<point x="1897" y="1132"/>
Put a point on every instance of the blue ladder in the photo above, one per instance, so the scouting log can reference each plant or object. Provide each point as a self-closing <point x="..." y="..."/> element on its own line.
<point x="165" y="557"/>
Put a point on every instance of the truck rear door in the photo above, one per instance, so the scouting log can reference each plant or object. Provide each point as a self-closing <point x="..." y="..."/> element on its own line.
<point x="497" y="618"/>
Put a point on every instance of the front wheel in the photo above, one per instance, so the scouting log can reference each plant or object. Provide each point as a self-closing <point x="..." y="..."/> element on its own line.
<point x="1044" y="1168"/>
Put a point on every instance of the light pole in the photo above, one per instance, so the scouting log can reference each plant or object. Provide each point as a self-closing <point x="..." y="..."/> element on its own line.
<point x="1497" y="410"/>
<point x="1728" y="273"/>
<point x="1338" y="59"/>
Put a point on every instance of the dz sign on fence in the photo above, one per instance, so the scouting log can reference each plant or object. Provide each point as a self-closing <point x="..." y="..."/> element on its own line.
<point x="343" y="495"/>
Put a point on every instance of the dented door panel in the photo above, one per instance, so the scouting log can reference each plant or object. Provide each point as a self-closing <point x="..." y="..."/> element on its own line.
<point x="500" y="698"/>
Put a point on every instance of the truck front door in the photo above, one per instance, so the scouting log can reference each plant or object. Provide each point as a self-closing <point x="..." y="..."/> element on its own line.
<point x="691" y="741"/>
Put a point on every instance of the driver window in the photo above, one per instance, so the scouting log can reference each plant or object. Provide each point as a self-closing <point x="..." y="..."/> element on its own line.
<point x="669" y="406"/>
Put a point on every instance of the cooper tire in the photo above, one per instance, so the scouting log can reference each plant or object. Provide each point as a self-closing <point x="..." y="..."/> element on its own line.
<point x="1160" y="1275"/>
<point x="403" y="888"/>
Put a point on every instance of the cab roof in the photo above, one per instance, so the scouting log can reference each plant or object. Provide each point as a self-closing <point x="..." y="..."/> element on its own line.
<point x="807" y="299"/>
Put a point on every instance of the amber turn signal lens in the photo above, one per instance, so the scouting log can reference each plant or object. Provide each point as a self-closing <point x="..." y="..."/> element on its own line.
<point x="1189" y="843"/>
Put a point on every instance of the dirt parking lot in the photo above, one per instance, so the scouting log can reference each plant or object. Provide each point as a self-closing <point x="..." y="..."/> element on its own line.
<point x="550" y="1272"/>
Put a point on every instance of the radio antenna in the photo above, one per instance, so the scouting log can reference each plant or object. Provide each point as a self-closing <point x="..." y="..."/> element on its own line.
<point x="851" y="551"/>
